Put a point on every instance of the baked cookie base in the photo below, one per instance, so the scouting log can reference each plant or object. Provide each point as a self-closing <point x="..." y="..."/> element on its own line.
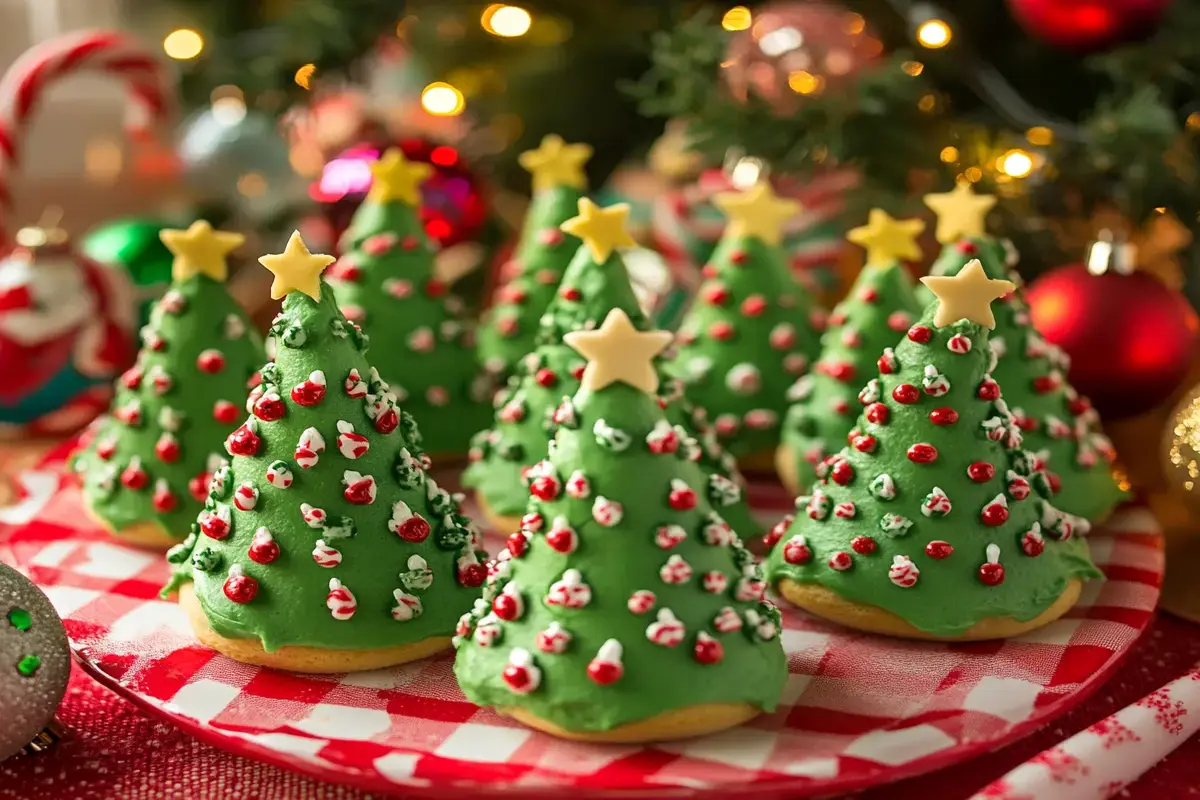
<point x="785" y="468"/>
<point x="499" y="523"/>
<point x="149" y="535"/>
<point x="827" y="604"/>
<point x="315" y="660"/>
<point x="679" y="723"/>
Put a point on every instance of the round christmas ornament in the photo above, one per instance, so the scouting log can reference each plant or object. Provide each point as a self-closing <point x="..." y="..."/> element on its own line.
<point x="35" y="665"/>
<point x="1130" y="339"/>
<point x="324" y="546"/>
<point x="1089" y="25"/>
<point x="538" y="396"/>
<point x="532" y="276"/>
<point x="389" y="282"/>
<point x="146" y="465"/>
<point x="876" y="312"/>
<point x="752" y="330"/>
<point x="798" y="50"/>
<point x="686" y="226"/>
<point x="133" y="245"/>
<point x="652" y="623"/>
<point x="65" y="323"/>
<point x="1058" y="425"/>
<point x="941" y="528"/>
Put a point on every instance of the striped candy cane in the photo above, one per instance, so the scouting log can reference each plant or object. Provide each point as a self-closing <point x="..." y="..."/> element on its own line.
<point x="150" y="84"/>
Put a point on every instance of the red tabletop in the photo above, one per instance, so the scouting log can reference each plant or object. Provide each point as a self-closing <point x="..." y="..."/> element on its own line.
<point x="114" y="751"/>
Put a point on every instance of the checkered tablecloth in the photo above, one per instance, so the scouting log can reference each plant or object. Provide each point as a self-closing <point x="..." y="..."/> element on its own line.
<point x="858" y="710"/>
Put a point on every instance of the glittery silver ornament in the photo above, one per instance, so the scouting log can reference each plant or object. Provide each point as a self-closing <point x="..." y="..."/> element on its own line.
<point x="35" y="662"/>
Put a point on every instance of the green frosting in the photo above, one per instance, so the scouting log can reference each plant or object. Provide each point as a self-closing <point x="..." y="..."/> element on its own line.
<point x="501" y="455"/>
<point x="877" y="311"/>
<point x="385" y="282"/>
<point x="750" y="333"/>
<point x="149" y="459"/>
<point x="1059" y="425"/>
<point x="532" y="276"/>
<point x="890" y="514"/>
<point x="648" y="577"/>
<point x="301" y="505"/>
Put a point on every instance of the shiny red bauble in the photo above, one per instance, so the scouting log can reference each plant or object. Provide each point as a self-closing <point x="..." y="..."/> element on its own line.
<point x="1130" y="338"/>
<point x="1088" y="25"/>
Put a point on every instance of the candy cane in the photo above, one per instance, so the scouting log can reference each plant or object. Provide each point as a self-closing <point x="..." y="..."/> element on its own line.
<point x="150" y="85"/>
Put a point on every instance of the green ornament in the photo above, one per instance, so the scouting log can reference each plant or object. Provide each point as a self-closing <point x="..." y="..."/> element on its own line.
<point x="20" y="619"/>
<point x="134" y="246"/>
<point x="28" y="665"/>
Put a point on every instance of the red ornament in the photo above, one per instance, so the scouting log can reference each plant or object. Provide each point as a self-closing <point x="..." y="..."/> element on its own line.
<point x="225" y="412"/>
<point x="988" y="390"/>
<point x="721" y="331"/>
<point x="992" y="574"/>
<point x="1088" y="26"/>
<point x="821" y="40"/>
<point x="454" y="203"/>
<point x="243" y="441"/>
<point x="943" y="416"/>
<point x="708" y="650"/>
<point x="715" y="294"/>
<point x="198" y="486"/>
<point x="517" y="544"/>
<point x="167" y="448"/>
<point x="570" y="293"/>
<point x="682" y="498"/>
<point x="416" y="529"/>
<point x="134" y="477"/>
<point x="164" y="499"/>
<point x="387" y="421"/>
<point x="906" y="393"/>
<point x="1130" y="338"/>
<point x="981" y="472"/>
<point x="604" y="672"/>
<point x="239" y="587"/>
<point x="210" y="361"/>
<point x="507" y="606"/>
<point x="922" y="453"/>
<point x="263" y="551"/>
<point x="797" y="551"/>
<point x="841" y="473"/>
<point x="546" y="377"/>
<point x="473" y="575"/>
<point x="864" y="444"/>
<point x="309" y="392"/>
<point x="994" y="515"/>
<point x="754" y="305"/>
<point x="545" y="487"/>
<point x="269" y="408"/>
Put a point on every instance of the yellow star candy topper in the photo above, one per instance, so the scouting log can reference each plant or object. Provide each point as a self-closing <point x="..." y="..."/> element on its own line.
<point x="601" y="229"/>
<point x="296" y="269"/>
<point x="397" y="178"/>
<point x="888" y="240"/>
<point x="617" y="351"/>
<point x="758" y="211"/>
<point x="556" y="163"/>
<point x="967" y="295"/>
<point x="961" y="214"/>
<point x="200" y="250"/>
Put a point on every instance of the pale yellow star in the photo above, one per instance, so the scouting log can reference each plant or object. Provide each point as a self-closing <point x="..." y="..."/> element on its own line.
<point x="601" y="229"/>
<point x="556" y="163"/>
<point x="758" y="211"/>
<point x="397" y="178"/>
<point x="296" y="269"/>
<point x="888" y="240"/>
<point x="617" y="351"/>
<point x="200" y="250"/>
<point x="961" y="214"/>
<point x="967" y="295"/>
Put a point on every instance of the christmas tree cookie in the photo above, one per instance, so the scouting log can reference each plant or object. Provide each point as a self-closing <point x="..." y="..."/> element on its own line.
<point x="595" y="282"/>
<point x="625" y="609"/>
<point x="1060" y="427"/>
<point x="146" y="466"/>
<point x="386" y="281"/>
<point x="751" y="331"/>
<point x="879" y="308"/>
<point x="933" y="523"/>
<point x="533" y="274"/>
<point x="324" y="545"/>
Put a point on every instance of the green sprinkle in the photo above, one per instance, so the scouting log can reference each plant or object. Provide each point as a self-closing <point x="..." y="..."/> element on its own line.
<point x="19" y="618"/>
<point x="28" y="665"/>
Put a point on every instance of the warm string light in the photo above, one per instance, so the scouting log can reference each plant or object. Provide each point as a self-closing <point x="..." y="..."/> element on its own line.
<point x="1185" y="443"/>
<point x="183" y="44"/>
<point x="506" y="21"/>
<point x="442" y="100"/>
<point x="949" y="155"/>
<point x="934" y="34"/>
<point x="304" y="76"/>
<point x="1040" y="136"/>
<point x="737" y="18"/>
<point x="1016" y="163"/>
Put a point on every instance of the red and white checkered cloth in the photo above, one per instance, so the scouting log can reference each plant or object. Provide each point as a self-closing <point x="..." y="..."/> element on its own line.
<point x="858" y="710"/>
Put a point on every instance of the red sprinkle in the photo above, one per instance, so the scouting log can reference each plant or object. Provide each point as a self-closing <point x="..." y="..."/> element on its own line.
<point x="546" y="377"/>
<point x="841" y="473"/>
<point x="906" y="393"/>
<point x="988" y="390"/>
<point x="981" y="472"/>
<point x="922" y="453"/>
<point x="994" y="515"/>
<point x="991" y="574"/>
<point x="939" y="549"/>
<point x="877" y="413"/>
<point x="864" y="545"/>
<point x="943" y="416"/>
<point x="720" y="331"/>
<point x="865" y="443"/>
<point x="920" y="334"/>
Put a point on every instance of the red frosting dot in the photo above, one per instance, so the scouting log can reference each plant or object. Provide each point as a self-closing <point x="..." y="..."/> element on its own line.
<point x="967" y="248"/>
<point x="225" y="412"/>
<point x="570" y="293"/>
<point x="877" y="413"/>
<point x="863" y="544"/>
<point x="754" y="305"/>
<point x="981" y="472"/>
<point x="546" y="377"/>
<point x="939" y="549"/>
<point x="988" y="390"/>
<point x="991" y="574"/>
<point x="922" y="453"/>
<point x="720" y="331"/>
<point x="920" y="334"/>
<point x="516" y="544"/>
<point x="994" y="515"/>
<point x="604" y="672"/>
<point x="943" y="416"/>
<point x="715" y="294"/>
<point x="865" y="443"/>
<point x="841" y="473"/>
<point x="906" y="393"/>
